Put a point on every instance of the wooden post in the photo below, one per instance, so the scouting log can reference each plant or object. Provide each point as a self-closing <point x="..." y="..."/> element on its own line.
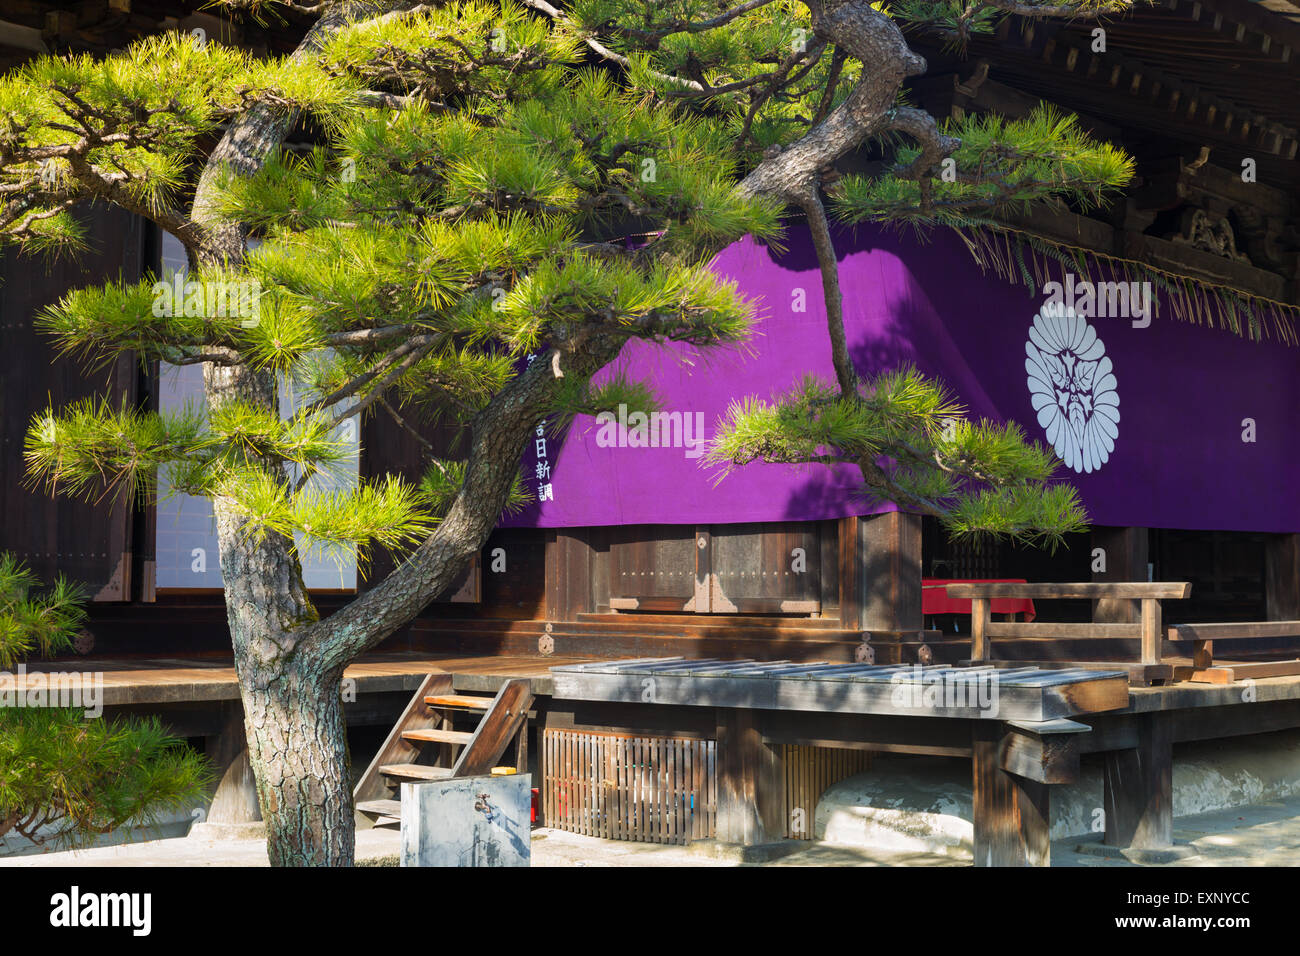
<point x="1011" y="813"/>
<point x="703" y="570"/>
<point x="1127" y="553"/>
<point x="750" y="781"/>
<point x="521" y="748"/>
<point x="1202" y="655"/>
<point x="1151" y="635"/>
<point x="235" y="800"/>
<point x="1282" y="577"/>
<point x="1139" y="785"/>
<point x="979" y="622"/>
<point x="849" y="567"/>
<point x="890" y="551"/>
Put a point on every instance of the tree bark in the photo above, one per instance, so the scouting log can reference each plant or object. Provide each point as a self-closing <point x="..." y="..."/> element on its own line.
<point x="872" y="38"/>
<point x="293" y="717"/>
<point x="297" y="747"/>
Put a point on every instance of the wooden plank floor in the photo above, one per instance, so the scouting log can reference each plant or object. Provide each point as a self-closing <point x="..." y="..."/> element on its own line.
<point x="212" y="678"/>
<point x="980" y="693"/>
<point x="175" y="680"/>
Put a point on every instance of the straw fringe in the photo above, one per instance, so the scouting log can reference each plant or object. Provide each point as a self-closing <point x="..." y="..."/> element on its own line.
<point x="1018" y="256"/>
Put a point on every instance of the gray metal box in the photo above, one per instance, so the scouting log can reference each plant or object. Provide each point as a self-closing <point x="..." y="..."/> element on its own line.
<point x="468" y="821"/>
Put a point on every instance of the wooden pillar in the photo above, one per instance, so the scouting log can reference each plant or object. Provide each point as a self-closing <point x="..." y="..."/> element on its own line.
<point x="979" y="626"/>
<point x="1139" y="786"/>
<point x="889" y="549"/>
<point x="1127" y="553"/>
<point x="568" y="574"/>
<point x="849" y="568"/>
<point x="235" y="800"/>
<point x="750" y="781"/>
<point x="1011" y="813"/>
<point x="1282" y="577"/>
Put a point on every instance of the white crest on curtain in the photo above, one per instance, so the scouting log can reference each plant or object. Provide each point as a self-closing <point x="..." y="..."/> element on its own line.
<point x="1072" y="388"/>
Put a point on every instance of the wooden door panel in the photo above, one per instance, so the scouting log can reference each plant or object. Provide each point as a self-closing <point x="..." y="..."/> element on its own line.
<point x="652" y="568"/>
<point x="766" y="568"/>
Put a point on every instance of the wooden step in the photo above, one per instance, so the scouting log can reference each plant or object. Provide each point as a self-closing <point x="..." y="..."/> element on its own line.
<point x="482" y="624"/>
<point x="432" y="735"/>
<point x="691" y="629"/>
<point x="462" y="701"/>
<point x="699" y="620"/>
<point x="385" y="811"/>
<point x="373" y="785"/>
<point x="415" y="771"/>
<point x="774" y="635"/>
<point x="499" y="726"/>
<point x="721" y="645"/>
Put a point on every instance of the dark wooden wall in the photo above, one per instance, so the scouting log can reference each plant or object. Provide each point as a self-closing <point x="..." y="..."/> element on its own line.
<point x="768" y="568"/>
<point x="88" y="542"/>
<point x="508" y="579"/>
<point x="389" y="448"/>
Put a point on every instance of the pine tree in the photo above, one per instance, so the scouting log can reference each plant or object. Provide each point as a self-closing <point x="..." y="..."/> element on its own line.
<point x="65" y="778"/>
<point x="32" y="621"/>
<point x="475" y="166"/>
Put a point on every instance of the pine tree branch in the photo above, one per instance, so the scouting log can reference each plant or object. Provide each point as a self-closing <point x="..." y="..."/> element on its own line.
<point x="935" y="145"/>
<point x="406" y="426"/>
<point x="416" y="354"/>
<point x="364" y="337"/>
<point x="601" y="50"/>
<point x="215" y="356"/>
<point x="380" y="99"/>
<point x="832" y="84"/>
<point x="845" y="374"/>
<point x="873" y="39"/>
<point x="652" y="38"/>
<point x="779" y="81"/>
<point x="499" y="433"/>
<point x="358" y="382"/>
<point x="94" y="182"/>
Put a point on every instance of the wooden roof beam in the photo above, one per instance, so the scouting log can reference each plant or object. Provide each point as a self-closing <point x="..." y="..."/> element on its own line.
<point x="1264" y="34"/>
<point x="1192" y="105"/>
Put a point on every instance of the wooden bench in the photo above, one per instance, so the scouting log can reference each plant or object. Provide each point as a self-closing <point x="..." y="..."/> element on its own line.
<point x="1203" y="636"/>
<point x="1147" y="629"/>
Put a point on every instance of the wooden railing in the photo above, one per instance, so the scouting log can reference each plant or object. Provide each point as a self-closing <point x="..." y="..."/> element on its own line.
<point x="1203" y="637"/>
<point x="1147" y="629"/>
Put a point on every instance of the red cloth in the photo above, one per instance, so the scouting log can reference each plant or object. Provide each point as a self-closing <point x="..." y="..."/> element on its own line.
<point x="935" y="600"/>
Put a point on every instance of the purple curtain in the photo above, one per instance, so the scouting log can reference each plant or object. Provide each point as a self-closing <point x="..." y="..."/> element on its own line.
<point x="1162" y="423"/>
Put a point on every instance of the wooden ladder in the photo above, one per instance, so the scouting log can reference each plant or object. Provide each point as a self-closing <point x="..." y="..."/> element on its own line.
<point x="423" y="745"/>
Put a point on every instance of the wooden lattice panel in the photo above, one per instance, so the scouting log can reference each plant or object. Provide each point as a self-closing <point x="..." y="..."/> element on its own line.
<point x="626" y="787"/>
<point x="809" y="771"/>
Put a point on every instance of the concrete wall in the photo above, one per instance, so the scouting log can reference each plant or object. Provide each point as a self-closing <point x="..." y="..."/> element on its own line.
<point x="923" y="804"/>
<point x="174" y="823"/>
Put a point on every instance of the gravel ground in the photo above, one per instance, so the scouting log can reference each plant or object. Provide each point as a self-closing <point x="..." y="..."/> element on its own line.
<point x="1265" y="835"/>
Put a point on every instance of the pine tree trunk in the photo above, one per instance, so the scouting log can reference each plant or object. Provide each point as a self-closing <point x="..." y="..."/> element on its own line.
<point x="298" y="751"/>
<point x="293" y="716"/>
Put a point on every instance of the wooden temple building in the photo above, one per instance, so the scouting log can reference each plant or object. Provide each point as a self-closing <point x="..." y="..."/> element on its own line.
<point x="687" y="682"/>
